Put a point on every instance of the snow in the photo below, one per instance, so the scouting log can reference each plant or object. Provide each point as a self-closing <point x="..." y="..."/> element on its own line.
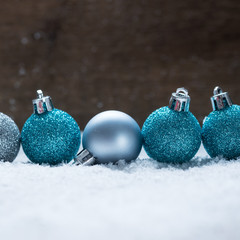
<point x="141" y="200"/>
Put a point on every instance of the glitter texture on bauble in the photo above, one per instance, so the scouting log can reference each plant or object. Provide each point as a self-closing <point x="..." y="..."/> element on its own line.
<point x="50" y="136"/>
<point x="172" y="134"/>
<point x="9" y="139"/>
<point x="221" y="129"/>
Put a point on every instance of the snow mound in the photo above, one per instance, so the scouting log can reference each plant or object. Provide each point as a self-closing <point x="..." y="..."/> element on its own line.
<point x="141" y="200"/>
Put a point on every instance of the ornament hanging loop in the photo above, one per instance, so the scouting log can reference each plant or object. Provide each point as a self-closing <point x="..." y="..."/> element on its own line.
<point x="220" y="99"/>
<point x="42" y="104"/>
<point x="180" y="100"/>
<point x="39" y="93"/>
<point x="182" y="92"/>
<point x="217" y="90"/>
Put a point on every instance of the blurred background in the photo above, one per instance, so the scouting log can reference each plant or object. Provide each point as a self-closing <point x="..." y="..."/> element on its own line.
<point x="95" y="55"/>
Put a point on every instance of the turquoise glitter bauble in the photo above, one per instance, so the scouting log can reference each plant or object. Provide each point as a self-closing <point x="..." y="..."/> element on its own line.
<point x="50" y="135"/>
<point x="221" y="129"/>
<point x="171" y="136"/>
<point x="221" y="133"/>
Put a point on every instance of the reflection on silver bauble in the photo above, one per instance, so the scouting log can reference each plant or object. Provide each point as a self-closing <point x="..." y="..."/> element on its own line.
<point x="9" y="138"/>
<point x="111" y="136"/>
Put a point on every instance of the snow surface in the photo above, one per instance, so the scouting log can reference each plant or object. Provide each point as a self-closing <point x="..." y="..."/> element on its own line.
<point x="141" y="200"/>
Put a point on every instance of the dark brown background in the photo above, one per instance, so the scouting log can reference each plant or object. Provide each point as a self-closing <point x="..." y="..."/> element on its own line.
<point x="94" y="55"/>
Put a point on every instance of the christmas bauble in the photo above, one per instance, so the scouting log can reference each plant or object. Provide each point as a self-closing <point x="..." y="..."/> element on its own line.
<point x="172" y="134"/>
<point x="111" y="136"/>
<point x="221" y="129"/>
<point x="9" y="138"/>
<point x="50" y="135"/>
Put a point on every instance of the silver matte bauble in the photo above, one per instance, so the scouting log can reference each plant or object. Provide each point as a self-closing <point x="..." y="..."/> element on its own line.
<point x="9" y="139"/>
<point x="111" y="136"/>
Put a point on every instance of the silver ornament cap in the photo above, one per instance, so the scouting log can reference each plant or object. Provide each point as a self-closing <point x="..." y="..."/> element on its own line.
<point x="180" y="100"/>
<point x="42" y="104"/>
<point x="220" y="99"/>
<point x="84" y="158"/>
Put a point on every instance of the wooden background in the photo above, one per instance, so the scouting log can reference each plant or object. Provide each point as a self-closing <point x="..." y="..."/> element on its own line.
<point x="95" y="55"/>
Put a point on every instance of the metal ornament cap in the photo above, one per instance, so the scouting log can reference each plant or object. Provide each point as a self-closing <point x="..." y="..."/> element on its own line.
<point x="42" y="104"/>
<point x="220" y="99"/>
<point x="180" y="100"/>
<point x="84" y="158"/>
